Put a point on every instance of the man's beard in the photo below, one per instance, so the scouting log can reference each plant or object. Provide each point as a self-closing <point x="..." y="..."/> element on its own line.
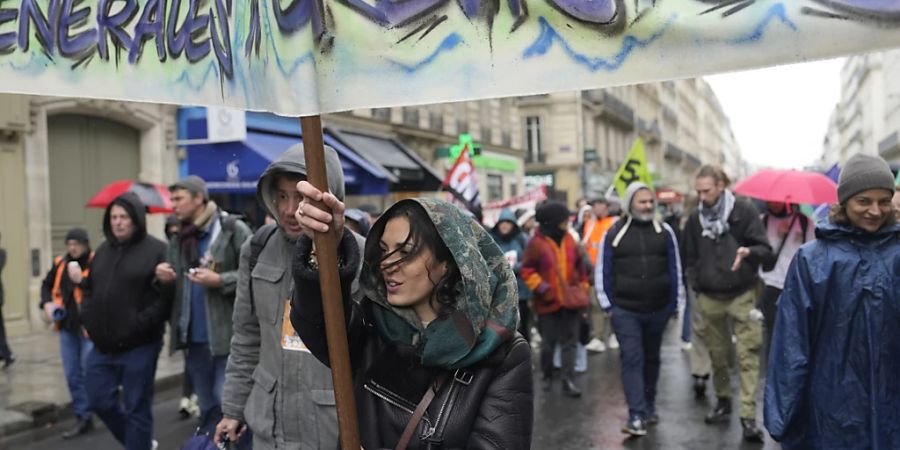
<point x="643" y="216"/>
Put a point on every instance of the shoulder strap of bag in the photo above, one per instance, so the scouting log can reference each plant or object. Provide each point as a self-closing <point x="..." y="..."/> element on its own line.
<point x="804" y="226"/>
<point x="419" y="412"/>
<point x="785" y="238"/>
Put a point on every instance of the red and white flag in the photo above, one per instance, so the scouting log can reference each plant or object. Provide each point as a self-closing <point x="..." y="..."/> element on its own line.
<point x="462" y="183"/>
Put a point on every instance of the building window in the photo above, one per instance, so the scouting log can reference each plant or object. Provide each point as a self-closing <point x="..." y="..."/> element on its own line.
<point x="462" y="126"/>
<point x="513" y="189"/>
<point x="533" y="139"/>
<point x="506" y="139"/>
<point x="382" y="114"/>
<point x="411" y="115"/>
<point x="494" y="188"/>
<point x="486" y="134"/>
<point x="436" y="121"/>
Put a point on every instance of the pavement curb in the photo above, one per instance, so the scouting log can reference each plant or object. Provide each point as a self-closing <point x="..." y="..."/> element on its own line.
<point x="29" y="416"/>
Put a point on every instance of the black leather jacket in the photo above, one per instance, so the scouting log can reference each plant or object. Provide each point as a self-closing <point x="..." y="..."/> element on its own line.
<point x="488" y="405"/>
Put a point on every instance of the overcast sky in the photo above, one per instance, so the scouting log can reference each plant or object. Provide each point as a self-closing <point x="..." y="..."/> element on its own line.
<point x="779" y="115"/>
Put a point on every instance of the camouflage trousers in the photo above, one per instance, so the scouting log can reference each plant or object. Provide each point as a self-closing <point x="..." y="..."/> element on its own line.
<point x="748" y="332"/>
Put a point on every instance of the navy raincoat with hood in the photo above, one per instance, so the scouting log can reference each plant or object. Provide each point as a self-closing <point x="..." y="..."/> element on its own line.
<point x="835" y="358"/>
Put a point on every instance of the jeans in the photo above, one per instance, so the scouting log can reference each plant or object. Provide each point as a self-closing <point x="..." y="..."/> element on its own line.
<point x="640" y="339"/>
<point x="207" y="374"/>
<point x="559" y="328"/>
<point x="129" y="421"/>
<point x="74" y="348"/>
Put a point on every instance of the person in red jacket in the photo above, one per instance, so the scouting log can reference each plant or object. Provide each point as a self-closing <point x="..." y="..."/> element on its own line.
<point x="554" y="271"/>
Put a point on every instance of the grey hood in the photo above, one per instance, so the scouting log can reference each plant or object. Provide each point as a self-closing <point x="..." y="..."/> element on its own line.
<point x="293" y="161"/>
<point x="629" y="195"/>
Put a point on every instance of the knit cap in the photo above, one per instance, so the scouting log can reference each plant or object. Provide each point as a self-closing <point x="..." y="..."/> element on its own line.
<point x="861" y="173"/>
<point x="79" y="235"/>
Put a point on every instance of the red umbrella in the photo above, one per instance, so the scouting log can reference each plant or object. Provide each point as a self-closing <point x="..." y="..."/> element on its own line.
<point x="789" y="186"/>
<point x="154" y="196"/>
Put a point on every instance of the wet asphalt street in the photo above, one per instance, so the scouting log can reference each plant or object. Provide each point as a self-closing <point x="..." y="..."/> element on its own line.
<point x="593" y="421"/>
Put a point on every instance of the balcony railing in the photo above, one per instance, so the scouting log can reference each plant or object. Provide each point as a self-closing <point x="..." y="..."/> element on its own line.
<point x="618" y="111"/>
<point x="673" y="153"/>
<point x="692" y="161"/>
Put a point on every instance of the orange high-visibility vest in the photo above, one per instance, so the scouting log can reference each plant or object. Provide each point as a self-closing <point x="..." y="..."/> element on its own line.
<point x="60" y="268"/>
<point x="593" y="235"/>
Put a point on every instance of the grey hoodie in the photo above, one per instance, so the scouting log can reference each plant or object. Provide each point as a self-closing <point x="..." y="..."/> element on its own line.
<point x="285" y="395"/>
<point x="293" y="161"/>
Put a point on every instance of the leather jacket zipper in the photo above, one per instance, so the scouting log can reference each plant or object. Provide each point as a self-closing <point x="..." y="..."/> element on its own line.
<point x="376" y="390"/>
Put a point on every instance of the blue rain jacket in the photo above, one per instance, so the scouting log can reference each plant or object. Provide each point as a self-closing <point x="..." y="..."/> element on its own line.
<point x="834" y="368"/>
<point x="516" y="242"/>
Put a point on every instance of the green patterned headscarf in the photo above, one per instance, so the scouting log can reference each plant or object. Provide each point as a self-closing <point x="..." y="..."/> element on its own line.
<point x="486" y="310"/>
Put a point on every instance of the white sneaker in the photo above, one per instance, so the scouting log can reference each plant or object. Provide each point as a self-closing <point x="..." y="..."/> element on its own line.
<point x="613" y="342"/>
<point x="155" y="445"/>
<point x="595" y="346"/>
<point x="686" y="346"/>
<point x="194" y="406"/>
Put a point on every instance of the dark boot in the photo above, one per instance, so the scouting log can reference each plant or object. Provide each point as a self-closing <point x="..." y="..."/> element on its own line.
<point x="722" y="411"/>
<point x="83" y="426"/>
<point x="9" y="360"/>
<point x="700" y="385"/>
<point x="570" y="388"/>
<point x="751" y="432"/>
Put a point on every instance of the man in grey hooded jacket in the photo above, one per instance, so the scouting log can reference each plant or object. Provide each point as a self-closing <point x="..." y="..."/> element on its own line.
<point x="273" y="384"/>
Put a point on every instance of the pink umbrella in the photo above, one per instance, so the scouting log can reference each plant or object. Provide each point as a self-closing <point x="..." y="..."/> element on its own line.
<point x="789" y="186"/>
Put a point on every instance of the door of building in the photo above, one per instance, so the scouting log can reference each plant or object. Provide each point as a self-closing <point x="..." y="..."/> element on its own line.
<point x="86" y="153"/>
<point x="13" y="237"/>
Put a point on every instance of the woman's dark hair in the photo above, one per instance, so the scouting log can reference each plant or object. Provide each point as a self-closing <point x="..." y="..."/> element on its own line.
<point x="423" y="235"/>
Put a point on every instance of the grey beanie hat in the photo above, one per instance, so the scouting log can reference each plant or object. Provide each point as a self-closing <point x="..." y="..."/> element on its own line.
<point x="861" y="173"/>
<point x="192" y="183"/>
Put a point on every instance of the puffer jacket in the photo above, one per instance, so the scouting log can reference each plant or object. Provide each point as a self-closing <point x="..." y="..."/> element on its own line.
<point x="832" y="380"/>
<point x="486" y="402"/>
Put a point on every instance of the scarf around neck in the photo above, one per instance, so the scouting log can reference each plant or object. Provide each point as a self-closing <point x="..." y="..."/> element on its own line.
<point x="191" y="232"/>
<point x="714" y="220"/>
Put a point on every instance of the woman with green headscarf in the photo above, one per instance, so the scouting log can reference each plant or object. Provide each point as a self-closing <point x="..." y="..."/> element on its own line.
<point x="434" y="315"/>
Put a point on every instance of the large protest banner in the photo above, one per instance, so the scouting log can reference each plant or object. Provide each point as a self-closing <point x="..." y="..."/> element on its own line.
<point x="303" y="57"/>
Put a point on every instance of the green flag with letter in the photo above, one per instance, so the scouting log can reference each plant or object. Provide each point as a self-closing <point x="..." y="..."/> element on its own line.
<point x="634" y="168"/>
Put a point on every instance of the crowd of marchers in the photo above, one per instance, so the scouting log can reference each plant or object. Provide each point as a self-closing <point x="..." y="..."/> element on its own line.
<point x="442" y="312"/>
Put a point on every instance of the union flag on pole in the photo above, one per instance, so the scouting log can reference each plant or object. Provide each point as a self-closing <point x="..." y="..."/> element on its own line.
<point x="462" y="183"/>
